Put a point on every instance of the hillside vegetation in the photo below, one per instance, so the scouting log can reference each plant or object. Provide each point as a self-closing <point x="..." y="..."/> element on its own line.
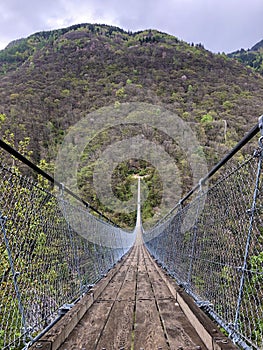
<point x="252" y="57"/>
<point x="51" y="80"/>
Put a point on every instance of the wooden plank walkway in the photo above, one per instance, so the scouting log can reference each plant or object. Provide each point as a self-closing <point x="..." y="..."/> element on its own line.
<point x="136" y="311"/>
<point x="135" y="307"/>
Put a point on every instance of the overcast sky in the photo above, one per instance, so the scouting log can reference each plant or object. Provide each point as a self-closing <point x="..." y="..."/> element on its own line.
<point x="220" y="25"/>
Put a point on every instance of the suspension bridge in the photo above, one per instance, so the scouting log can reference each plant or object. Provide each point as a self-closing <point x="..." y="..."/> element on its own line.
<point x="193" y="281"/>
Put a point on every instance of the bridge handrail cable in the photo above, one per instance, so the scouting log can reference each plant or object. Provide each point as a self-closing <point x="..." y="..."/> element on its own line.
<point x="52" y="249"/>
<point x="249" y="136"/>
<point x="41" y="172"/>
<point x="213" y="243"/>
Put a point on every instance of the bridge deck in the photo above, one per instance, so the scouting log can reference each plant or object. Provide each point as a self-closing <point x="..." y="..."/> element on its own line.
<point x="136" y="307"/>
<point x="135" y="311"/>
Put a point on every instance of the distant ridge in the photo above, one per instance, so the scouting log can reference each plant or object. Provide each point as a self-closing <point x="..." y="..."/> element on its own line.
<point x="258" y="46"/>
<point x="252" y="57"/>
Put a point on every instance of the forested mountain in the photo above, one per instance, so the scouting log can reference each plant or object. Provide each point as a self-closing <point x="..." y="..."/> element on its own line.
<point x="51" y="80"/>
<point x="252" y="57"/>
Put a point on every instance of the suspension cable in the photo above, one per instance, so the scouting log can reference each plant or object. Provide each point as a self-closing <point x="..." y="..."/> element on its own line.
<point x="223" y="161"/>
<point x="252" y="132"/>
<point x="41" y="172"/>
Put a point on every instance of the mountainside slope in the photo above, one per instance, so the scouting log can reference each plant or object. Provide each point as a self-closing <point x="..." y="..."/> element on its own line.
<point x="51" y="80"/>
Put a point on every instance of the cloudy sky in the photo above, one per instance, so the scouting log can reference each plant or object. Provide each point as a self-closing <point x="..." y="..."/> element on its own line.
<point x="220" y="25"/>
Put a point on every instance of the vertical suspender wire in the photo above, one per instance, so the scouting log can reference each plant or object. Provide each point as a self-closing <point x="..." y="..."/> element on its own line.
<point x="199" y="198"/>
<point x="71" y="238"/>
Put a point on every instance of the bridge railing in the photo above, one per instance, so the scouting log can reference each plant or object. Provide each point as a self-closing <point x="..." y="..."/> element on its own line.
<point x="46" y="263"/>
<point x="212" y="243"/>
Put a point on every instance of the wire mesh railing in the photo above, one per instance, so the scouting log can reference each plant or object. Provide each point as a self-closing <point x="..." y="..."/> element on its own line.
<point x="53" y="251"/>
<point x="46" y="264"/>
<point x="213" y="246"/>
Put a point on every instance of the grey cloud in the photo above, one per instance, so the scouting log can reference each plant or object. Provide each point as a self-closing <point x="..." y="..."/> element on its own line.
<point x="221" y="25"/>
<point x="22" y="18"/>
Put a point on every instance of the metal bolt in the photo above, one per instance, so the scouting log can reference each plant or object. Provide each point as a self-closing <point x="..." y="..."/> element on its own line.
<point x="38" y="345"/>
<point x="221" y="340"/>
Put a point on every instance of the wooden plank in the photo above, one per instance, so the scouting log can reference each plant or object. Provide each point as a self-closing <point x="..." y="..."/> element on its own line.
<point x="159" y="286"/>
<point x="87" y="333"/>
<point x="118" y="330"/>
<point x="179" y="331"/>
<point x="115" y="284"/>
<point x="127" y="292"/>
<point x="144" y="289"/>
<point x="148" y="333"/>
